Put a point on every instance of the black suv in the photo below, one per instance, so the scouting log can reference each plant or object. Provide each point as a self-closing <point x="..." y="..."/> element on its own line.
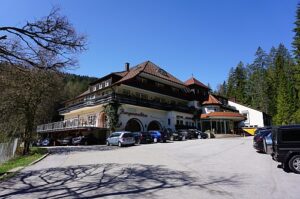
<point x="286" y="146"/>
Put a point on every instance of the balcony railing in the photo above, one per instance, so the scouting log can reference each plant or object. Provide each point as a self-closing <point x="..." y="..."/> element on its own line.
<point x="63" y="125"/>
<point x="125" y="99"/>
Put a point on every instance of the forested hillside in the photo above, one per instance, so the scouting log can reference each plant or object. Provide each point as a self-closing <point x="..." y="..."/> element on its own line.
<point x="33" y="96"/>
<point x="269" y="84"/>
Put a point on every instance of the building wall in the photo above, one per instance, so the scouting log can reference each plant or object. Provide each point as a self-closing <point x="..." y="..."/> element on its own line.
<point x="167" y="119"/>
<point x="84" y="113"/>
<point x="254" y="117"/>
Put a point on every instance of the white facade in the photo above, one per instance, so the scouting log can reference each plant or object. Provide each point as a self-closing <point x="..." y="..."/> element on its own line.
<point x="255" y="118"/>
<point x="166" y="119"/>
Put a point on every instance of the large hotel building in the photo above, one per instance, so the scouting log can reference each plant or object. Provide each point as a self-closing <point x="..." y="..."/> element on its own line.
<point x="149" y="98"/>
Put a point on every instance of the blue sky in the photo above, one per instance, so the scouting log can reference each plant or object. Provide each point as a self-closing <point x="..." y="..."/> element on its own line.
<point x="200" y="37"/>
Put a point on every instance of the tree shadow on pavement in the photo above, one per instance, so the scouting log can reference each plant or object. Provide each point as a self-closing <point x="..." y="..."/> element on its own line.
<point x="70" y="149"/>
<point x="115" y="180"/>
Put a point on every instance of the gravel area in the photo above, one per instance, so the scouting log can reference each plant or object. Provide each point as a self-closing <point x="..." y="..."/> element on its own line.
<point x="215" y="168"/>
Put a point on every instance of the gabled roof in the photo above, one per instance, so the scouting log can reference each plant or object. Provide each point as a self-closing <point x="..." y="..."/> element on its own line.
<point x="194" y="81"/>
<point x="212" y="100"/>
<point x="149" y="68"/>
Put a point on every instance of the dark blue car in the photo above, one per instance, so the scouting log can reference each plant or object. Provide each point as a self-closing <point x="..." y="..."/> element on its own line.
<point x="156" y="136"/>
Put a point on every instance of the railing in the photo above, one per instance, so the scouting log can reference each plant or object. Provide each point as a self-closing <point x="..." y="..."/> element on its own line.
<point x="129" y="100"/>
<point x="63" y="125"/>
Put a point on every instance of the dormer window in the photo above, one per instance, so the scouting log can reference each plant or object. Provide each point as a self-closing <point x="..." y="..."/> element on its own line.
<point x="94" y="88"/>
<point x="100" y="86"/>
<point x="106" y="83"/>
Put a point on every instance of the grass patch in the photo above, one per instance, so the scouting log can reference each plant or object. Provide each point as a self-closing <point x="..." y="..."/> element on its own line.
<point x="22" y="161"/>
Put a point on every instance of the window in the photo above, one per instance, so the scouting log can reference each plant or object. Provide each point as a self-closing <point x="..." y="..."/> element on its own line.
<point x="100" y="86"/>
<point x="144" y="96"/>
<point x="126" y="92"/>
<point x="92" y="119"/>
<point x="106" y="83"/>
<point x="169" y="121"/>
<point x="176" y="90"/>
<point x="156" y="99"/>
<point x="290" y="135"/>
<point x="246" y="114"/>
<point x="159" y="85"/>
<point x="94" y="88"/>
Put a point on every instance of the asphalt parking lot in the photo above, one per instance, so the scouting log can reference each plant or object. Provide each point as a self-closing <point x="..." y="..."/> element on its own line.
<point x="216" y="168"/>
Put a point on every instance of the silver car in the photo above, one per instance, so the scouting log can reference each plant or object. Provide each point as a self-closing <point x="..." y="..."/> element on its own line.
<point x="120" y="139"/>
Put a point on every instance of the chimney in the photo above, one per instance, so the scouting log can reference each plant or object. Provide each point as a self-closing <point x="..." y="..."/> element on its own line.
<point x="126" y="66"/>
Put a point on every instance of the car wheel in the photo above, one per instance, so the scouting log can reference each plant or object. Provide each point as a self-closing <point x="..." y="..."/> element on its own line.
<point x="172" y="138"/>
<point x="294" y="164"/>
<point x="120" y="144"/>
<point x="199" y="136"/>
<point x="107" y="143"/>
<point x="183" y="138"/>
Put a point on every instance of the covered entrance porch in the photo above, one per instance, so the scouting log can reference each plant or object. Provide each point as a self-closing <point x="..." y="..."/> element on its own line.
<point x="221" y="122"/>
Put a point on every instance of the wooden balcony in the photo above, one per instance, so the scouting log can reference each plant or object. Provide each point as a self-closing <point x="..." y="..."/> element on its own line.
<point x="125" y="99"/>
<point x="64" y="126"/>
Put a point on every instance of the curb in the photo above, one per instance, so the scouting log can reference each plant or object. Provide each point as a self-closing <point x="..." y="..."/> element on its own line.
<point x="40" y="159"/>
<point x="16" y="170"/>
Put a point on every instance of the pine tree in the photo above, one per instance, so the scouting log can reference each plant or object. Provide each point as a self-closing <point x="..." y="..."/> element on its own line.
<point x="296" y="70"/>
<point x="240" y="82"/>
<point x="284" y="100"/>
<point x="230" y="84"/>
<point x="257" y="84"/>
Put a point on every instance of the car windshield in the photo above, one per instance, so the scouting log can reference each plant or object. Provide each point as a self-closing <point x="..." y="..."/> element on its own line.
<point x="127" y="135"/>
<point x="115" y="135"/>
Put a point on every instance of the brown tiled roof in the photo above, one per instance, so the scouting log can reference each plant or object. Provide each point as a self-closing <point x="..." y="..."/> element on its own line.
<point x="122" y="73"/>
<point x="149" y="68"/>
<point x="193" y="81"/>
<point x="233" y="115"/>
<point x="211" y="100"/>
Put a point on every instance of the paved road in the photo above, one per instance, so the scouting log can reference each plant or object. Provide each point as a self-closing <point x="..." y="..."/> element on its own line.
<point x="216" y="168"/>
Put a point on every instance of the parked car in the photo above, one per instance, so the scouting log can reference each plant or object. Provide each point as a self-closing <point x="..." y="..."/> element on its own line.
<point x="202" y="135"/>
<point x="196" y="134"/>
<point x="120" y="139"/>
<point x="80" y="140"/>
<point x="169" y="133"/>
<point x="137" y="137"/>
<point x="286" y="147"/>
<point x="43" y="142"/>
<point x="65" y="141"/>
<point x="156" y="136"/>
<point x="146" y="138"/>
<point x="261" y="129"/>
<point x="268" y="143"/>
<point x="180" y="135"/>
<point x="258" y="139"/>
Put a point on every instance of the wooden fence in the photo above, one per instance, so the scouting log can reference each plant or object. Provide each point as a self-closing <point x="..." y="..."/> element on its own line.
<point x="7" y="150"/>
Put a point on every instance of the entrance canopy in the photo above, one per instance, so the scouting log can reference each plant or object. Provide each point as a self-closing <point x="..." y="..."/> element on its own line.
<point x="237" y="117"/>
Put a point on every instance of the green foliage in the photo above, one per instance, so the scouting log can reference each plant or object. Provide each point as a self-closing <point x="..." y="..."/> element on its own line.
<point x="111" y="112"/>
<point x="22" y="161"/>
<point x="75" y="85"/>
<point x="284" y="106"/>
<point x="270" y="84"/>
<point x="235" y="87"/>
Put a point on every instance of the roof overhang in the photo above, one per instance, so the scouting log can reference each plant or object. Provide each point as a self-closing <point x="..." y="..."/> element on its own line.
<point x="223" y="115"/>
